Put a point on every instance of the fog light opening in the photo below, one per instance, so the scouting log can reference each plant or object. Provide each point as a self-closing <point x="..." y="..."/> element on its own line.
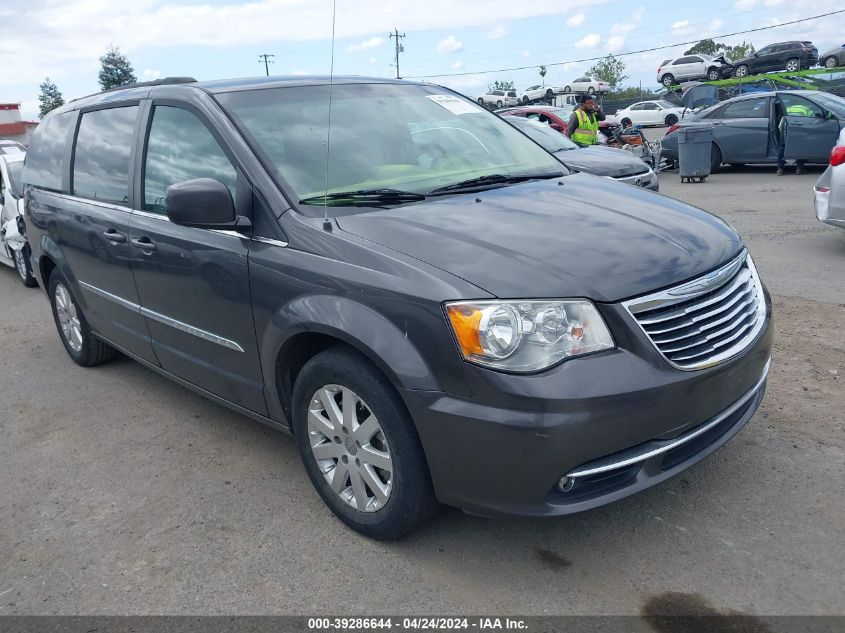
<point x="566" y="483"/>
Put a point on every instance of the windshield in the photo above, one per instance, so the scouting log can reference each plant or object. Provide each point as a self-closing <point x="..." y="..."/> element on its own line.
<point x="831" y="102"/>
<point x="14" y="168"/>
<point x="411" y="138"/>
<point x="549" y="139"/>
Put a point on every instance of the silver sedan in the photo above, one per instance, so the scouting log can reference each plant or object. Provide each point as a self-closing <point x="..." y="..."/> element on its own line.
<point x="830" y="188"/>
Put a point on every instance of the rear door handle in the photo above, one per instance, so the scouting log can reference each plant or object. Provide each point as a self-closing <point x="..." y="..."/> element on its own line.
<point x="113" y="236"/>
<point x="145" y="244"/>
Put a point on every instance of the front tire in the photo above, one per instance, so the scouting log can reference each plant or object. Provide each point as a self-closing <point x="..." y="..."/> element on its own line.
<point x="671" y="120"/>
<point x="831" y="62"/>
<point x="499" y="104"/>
<point x="550" y="94"/>
<point x="713" y="74"/>
<point x="24" y="267"/>
<point x="793" y="65"/>
<point x="480" y="101"/>
<point x="81" y="345"/>
<point x="359" y="446"/>
<point x="741" y="71"/>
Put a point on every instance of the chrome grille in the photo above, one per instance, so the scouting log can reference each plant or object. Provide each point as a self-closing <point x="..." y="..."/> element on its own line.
<point x="705" y="321"/>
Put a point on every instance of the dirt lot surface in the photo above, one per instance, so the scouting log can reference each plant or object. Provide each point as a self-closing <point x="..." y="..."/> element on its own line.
<point x="123" y="493"/>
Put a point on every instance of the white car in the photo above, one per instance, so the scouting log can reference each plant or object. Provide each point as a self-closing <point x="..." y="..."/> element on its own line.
<point x="830" y="188"/>
<point x="14" y="249"/>
<point x="587" y="84"/>
<point x="538" y="92"/>
<point x="652" y="113"/>
<point x="673" y="71"/>
<point x="499" y="98"/>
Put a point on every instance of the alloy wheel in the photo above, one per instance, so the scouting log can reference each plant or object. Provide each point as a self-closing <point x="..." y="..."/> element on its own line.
<point x="20" y="265"/>
<point x="68" y="317"/>
<point x="830" y="62"/>
<point x="792" y="65"/>
<point x="350" y="448"/>
<point x="741" y="71"/>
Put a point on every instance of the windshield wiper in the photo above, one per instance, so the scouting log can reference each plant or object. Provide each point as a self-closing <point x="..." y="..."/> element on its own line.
<point x="364" y="197"/>
<point x="494" y="179"/>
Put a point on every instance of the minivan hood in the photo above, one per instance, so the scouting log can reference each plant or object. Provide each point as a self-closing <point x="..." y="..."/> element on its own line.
<point x="587" y="237"/>
<point x="602" y="161"/>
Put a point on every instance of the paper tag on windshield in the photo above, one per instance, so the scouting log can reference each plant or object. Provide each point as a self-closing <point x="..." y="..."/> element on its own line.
<point x="454" y="104"/>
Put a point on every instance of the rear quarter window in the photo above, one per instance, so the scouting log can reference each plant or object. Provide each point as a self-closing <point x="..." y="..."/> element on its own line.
<point x="45" y="157"/>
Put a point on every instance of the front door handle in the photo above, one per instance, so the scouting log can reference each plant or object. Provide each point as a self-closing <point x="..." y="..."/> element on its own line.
<point x="145" y="244"/>
<point x="113" y="236"/>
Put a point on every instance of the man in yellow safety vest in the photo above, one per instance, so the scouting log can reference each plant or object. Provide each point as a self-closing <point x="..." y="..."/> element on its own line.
<point x="794" y="110"/>
<point x="583" y="127"/>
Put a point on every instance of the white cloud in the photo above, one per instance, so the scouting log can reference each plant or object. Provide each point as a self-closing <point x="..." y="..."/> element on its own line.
<point x="373" y="60"/>
<point x="745" y="5"/>
<point x="457" y="65"/>
<point x="630" y="24"/>
<point x="497" y="33"/>
<point x="449" y="44"/>
<point x="716" y="24"/>
<point x="150" y="75"/>
<point x="615" y="43"/>
<point x="373" y="42"/>
<point x="301" y="72"/>
<point x="588" y="41"/>
<point x="576" y="20"/>
<point x="525" y="54"/>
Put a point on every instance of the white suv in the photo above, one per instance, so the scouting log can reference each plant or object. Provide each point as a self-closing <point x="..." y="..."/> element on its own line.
<point x="499" y="98"/>
<point x="673" y="71"/>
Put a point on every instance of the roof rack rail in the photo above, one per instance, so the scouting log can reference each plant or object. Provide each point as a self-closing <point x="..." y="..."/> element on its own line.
<point x="164" y="81"/>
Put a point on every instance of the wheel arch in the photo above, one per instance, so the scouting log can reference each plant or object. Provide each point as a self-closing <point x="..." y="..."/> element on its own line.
<point x="311" y="324"/>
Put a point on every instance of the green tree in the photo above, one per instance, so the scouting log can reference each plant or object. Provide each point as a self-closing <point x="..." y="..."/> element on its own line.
<point x="609" y="69"/>
<point x="501" y="85"/>
<point x="543" y="74"/>
<point x="739" y="51"/>
<point x="49" y="98"/>
<point x="115" y="69"/>
<point x="704" y="47"/>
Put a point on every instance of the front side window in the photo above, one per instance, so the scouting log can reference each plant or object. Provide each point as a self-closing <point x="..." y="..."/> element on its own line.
<point x="413" y="138"/>
<point x="45" y="158"/>
<point x="747" y="109"/>
<point x="181" y="148"/>
<point x="101" y="156"/>
<point x="799" y="106"/>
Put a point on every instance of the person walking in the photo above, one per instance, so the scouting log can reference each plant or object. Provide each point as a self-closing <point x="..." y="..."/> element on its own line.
<point x="583" y="127"/>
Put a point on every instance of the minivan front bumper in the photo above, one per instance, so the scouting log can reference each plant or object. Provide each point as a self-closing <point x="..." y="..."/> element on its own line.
<point x="614" y="423"/>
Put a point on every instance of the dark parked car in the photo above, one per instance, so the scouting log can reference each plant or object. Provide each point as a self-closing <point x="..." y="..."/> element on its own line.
<point x="598" y="160"/>
<point x="428" y="303"/>
<point x="745" y="128"/>
<point x="789" y="56"/>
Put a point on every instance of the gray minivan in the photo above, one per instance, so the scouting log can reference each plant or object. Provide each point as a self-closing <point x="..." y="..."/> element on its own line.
<point x="426" y="299"/>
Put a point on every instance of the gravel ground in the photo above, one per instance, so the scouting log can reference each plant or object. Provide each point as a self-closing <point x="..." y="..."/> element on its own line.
<point x="123" y="493"/>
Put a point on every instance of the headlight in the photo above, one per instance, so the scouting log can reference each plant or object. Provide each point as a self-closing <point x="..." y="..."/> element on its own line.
<point x="524" y="336"/>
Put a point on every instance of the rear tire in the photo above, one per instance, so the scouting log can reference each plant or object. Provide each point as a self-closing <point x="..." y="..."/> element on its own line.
<point x="550" y="94"/>
<point x="525" y="100"/>
<point x="671" y="120"/>
<point x="80" y="343"/>
<point x="793" y="65"/>
<point x="499" y="104"/>
<point x="24" y="267"/>
<point x="668" y="79"/>
<point x="741" y="71"/>
<point x="341" y="380"/>
<point x="567" y="89"/>
<point x="715" y="157"/>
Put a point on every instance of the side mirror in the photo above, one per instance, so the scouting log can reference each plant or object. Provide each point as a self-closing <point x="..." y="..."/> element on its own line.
<point x="201" y="203"/>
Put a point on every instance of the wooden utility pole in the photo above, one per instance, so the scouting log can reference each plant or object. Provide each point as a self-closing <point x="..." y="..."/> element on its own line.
<point x="265" y="58"/>
<point x="399" y="48"/>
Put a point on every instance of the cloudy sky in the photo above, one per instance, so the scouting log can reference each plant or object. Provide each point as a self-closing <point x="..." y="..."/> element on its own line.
<point x="206" y="39"/>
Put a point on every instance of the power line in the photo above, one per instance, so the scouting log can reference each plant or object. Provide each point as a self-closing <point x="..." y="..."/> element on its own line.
<point x="637" y="52"/>
<point x="265" y="58"/>
<point x="399" y="48"/>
